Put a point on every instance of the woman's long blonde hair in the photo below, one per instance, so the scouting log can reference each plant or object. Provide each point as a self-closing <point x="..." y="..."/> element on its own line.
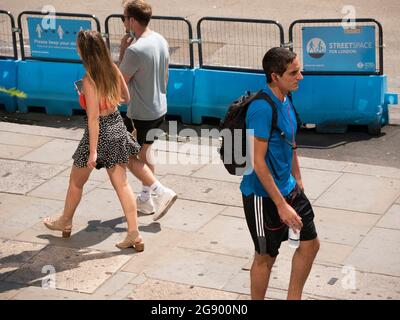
<point x="99" y="66"/>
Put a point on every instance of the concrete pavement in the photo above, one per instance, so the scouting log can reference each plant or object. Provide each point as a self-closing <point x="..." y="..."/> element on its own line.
<point x="201" y="249"/>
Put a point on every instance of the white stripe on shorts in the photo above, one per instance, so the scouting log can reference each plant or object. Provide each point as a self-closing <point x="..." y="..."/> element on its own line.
<point x="258" y="211"/>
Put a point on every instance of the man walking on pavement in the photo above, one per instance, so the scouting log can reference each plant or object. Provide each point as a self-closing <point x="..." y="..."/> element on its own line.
<point x="273" y="193"/>
<point x="143" y="61"/>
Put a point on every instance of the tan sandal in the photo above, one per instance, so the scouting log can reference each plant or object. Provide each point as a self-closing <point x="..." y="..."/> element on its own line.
<point x="130" y="241"/>
<point x="59" y="224"/>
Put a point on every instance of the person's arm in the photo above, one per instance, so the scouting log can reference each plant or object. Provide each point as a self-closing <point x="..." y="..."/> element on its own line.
<point x="125" y="43"/>
<point x="92" y="111"/>
<point x="287" y="214"/>
<point x="125" y="96"/>
<point x="296" y="170"/>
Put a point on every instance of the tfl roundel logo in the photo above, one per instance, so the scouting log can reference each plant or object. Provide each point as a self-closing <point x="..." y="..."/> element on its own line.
<point x="316" y="48"/>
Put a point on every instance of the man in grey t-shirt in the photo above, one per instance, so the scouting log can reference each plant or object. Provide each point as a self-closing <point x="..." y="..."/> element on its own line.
<point x="144" y="59"/>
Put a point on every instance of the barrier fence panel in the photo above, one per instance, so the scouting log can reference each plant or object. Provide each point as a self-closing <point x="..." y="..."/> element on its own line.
<point x="345" y="42"/>
<point x="236" y="44"/>
<point x="176" y="30"/>
<point x="47" y="37"/>
<point x="8" y="41"/>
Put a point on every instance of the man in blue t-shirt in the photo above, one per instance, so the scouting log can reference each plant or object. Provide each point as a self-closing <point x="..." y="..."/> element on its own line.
<point x="273" y="192"/>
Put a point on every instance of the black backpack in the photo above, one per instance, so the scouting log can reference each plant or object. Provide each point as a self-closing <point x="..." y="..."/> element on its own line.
<point x="233" y="131"/>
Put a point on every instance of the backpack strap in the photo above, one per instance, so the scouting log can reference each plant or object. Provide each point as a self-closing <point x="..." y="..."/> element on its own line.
<point x="274" y="123"/>
<point x="298" y="120"/>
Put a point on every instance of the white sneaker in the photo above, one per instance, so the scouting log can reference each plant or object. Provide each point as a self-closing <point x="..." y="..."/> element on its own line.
<point x="145" y="207"/>
<point x="163" y="203"/>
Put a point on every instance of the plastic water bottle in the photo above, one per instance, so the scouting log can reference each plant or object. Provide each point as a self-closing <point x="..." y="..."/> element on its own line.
<point x="294" y="238"/>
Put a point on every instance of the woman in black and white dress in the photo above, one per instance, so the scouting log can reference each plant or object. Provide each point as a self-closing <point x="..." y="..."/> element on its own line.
<point x="105" y="143"/>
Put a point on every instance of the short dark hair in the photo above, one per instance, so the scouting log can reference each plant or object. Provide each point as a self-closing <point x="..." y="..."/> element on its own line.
<point x="276" y="60"/>
<point x="140" y="11"/>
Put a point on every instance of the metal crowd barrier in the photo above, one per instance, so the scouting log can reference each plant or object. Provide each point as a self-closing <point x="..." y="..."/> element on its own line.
<point x="176" y="30"/>
<point x="230" y="57"/>
<point x="8" y="57"/>
<point x="8" y="40"/>
<point x="236" y="44"/>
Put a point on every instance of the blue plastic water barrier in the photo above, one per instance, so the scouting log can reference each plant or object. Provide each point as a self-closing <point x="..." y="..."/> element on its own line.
<point x="334" y="102"/>
<point x="180" y="93"/>
<point x="49" y="85"/>
<point x="8" y="80"/>
<point x="215" y="90"/>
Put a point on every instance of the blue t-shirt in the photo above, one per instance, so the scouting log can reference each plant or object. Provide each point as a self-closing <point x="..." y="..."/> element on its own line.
<point x="280" y="154"/>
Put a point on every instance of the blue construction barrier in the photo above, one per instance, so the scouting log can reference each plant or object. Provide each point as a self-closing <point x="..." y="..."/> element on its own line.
<point x="214" y="91"/>
<point x="334" y="102"/>
<point x="8" y="80"/>
<point x="49" y="85"/>
<point x="180" y="93"/>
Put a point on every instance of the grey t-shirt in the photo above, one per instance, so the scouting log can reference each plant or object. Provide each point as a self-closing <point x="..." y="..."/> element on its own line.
<point x="146" y="61"/>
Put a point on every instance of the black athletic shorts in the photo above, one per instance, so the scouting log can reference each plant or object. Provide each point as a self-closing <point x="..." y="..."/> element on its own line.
<point x="143" y="127"/>
<point x="266" y="228"/>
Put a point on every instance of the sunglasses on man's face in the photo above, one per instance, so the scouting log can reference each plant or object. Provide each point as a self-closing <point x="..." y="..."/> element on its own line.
<point x="123" y="18"/>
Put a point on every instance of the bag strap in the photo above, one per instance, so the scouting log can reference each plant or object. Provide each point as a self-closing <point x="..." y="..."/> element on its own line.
<point x="274" y="122"/>
<point x="298" y="120"/>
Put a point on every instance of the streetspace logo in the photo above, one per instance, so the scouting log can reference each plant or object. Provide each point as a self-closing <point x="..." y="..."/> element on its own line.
<point x="316" y="48"/>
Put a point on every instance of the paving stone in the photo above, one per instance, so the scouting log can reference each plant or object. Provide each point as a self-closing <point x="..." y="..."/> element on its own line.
<point x="22" y="140"/>
<point x="100" y="204"/>
<point x="13" y="254"/>
<point x="204" y="190"/>
<point x="96" y="175"/>
<point x="18" y="213"/>
<point x="194" y="149"/>
<point x="93" y="234"/>
<point x="136" y="184"/>
<point x="328" y="254"/>
<point x="234" y="212"/>
<point x="177" y="163"/>
<point x="361" y="193"/>
<point x="56" y="151"/>
<point x="223" y="235"/>
<point x="39" y="293"/>
<point x="76" y="270"/>
<point x="57" y="188"/>
<point x="378" y="252"/>
<point x="342" y="226"/>
<point x="192" y="267"/>
<point x="398" y="201"/>
<point x="20" y="176"/>
<point x="42" y="131"/>
<point x="189" y="215"/>
<point x="164" y="290"/>
<point x="216" y="172"/>
<point x="326" y="282"/>
<point x="322" y="164"/>
<point x="339" y="282"/>
<point x="9" y="290"/>
<point x="111" y="287"/>
<point x="391" y="219"/>
<point x="13" y="152"/>
<point x="241" y="285"/>
<point x="378" y="171"/>
<point x="316" y="182"/>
